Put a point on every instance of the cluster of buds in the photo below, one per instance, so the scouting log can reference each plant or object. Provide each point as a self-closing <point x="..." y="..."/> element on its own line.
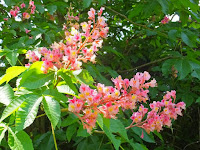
<point x="25" y="15"/>
<point x="165" y="20"/>
<point x="126" y="94"/>
<point x="80" y="44"/>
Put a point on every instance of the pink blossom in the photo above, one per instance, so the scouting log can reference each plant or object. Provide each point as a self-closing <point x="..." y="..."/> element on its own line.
<point x="165" y="20"/>
<point x="22" y="5"/>
<point x="91" y="14"/>
<point x="27" y="31"/>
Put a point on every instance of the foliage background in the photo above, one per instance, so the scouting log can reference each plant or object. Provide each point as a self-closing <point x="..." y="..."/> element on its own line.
<point x="137" y="42"/>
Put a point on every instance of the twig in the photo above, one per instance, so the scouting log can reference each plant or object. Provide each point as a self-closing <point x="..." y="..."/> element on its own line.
<point x="190" y="144"/>
<point x="54" y="137"/>
<point x="147" y="64"/>
<point x="40" y="115"/>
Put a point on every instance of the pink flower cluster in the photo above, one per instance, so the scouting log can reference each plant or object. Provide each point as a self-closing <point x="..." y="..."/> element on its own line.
<point x="165" y="20"/>
<point x="25" y="15"/>
<point x="107" y="100"/>
<point x="160" y="115"/>
<point x="126" y="94"/>
<point x="80" y="45"/>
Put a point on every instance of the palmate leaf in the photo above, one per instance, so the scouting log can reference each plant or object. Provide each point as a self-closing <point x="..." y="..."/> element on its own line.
<point x="52" y="109"/>
<point x="19" y="140"/>
<point x="7" y="94"/>
<point x="11" y="73"/>
<point x="15" y="105"/>
<point x="27" y="112"/>
<point x="34" y="77"/>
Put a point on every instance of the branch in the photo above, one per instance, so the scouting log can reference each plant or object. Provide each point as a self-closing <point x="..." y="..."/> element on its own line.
<point x="147" y="64"/>
<point x="137" y="24"/>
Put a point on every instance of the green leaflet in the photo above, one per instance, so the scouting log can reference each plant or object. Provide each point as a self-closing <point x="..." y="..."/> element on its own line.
<point x="11" y="73"/>
<point x="34" y="77"/>
<point x="7" y="94"/>
<point x="105" y="126"/>
<point x="15" y="105"/>
<point x="19" y="140"/>
<point x="183" y="67"/>
<point x="52" y="109"/>
<point x="27" y="112"/>
<point x="68" y="81"/>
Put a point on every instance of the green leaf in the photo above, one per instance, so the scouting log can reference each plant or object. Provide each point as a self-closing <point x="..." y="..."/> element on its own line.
<point x="56" y="95"/>
<point x="84" y="76"/>
<point x="52" y="109"/>
<point x="65" y="89"/>
<point x="196" y="73"/>
<point x="12" y="57"/>
<point x="11" y="73"/>
<point x="68" y="81"/>
<point x="7" y="94"/>
<point x="82" y="132"/>
<point x="51" y="9"/>
<point x="19" y="140"/>
<point x="70" y="132"/>
<point x="86" y="3"/>
<point x="164" y="4"/>
<point x="188" y="39"/>
<point x="40" y="8"/>
<point x="27" y="112"/>
<point x="138" y="146"/>
<point x="106" y="128"/>
<point x="198" y="100"/>
<point x="3" y="130"/>
<point x="117" y="126"/>
<point x="172" y="34"/>
<point x="188" y="99"/>
<point x="34" y="77"/>
<point x="167" y="66"/>
<point x="69" y="120"/>
<point x="183" y="67"/>
<point x="147" y="137"/>
<point x="101" y="2"/>
<point x="15" y="105"/>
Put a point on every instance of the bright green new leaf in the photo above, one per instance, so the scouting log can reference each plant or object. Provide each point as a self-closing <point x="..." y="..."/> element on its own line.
<point x="19" y="140"/>
<point x="27" y="112"/>
<point x="11" y="73"/>
<point x="52" y="109"/>
<point x="84" y="76"/>
<point x="7" y="94"/>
